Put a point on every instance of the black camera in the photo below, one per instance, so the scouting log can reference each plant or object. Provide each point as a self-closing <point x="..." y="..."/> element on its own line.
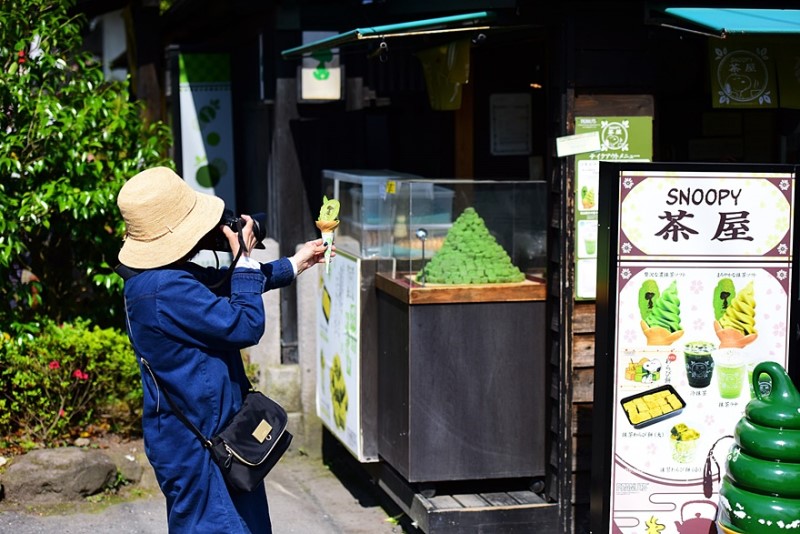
<point x="216" y="240"/>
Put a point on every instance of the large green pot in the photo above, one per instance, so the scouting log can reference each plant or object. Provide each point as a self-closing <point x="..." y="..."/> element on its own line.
<point x="755" y="513"/>
<point x="763" y="476"/>
<point x="767" y="443"/>
<point x="760" y="493"/>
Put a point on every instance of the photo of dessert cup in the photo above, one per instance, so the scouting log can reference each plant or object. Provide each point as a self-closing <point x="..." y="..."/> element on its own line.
<point x="684" y="443"/>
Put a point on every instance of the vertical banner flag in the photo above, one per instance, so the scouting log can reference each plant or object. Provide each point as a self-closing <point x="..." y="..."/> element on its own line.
<point x="207" y="125"/>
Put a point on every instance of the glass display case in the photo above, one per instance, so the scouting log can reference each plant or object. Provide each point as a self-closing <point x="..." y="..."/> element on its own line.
<point x="367" y="210"/>
<point x="382" y="331"/>
<point x="386" y="214"/>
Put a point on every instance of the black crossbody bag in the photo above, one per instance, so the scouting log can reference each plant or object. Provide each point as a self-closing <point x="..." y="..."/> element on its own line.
<point x="251" y="443"/>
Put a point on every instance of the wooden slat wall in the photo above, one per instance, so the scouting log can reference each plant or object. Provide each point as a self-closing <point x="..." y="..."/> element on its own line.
<point x="583" y="327"/>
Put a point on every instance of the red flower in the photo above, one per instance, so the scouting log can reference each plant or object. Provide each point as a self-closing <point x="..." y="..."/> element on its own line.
<point x="80" y="375"/>
<point x="21" y="55"/>
<point x="54" y="365"/>
<point x="61" y="413"/>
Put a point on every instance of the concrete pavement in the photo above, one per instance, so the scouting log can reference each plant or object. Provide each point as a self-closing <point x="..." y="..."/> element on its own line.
<point x="305" y="497"/>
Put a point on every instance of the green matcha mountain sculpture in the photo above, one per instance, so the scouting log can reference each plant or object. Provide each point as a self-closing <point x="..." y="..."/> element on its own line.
<point x="470" y="255"/>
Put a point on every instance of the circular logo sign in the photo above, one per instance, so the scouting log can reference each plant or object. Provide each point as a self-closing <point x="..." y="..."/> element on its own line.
<point x="742" y="76"/>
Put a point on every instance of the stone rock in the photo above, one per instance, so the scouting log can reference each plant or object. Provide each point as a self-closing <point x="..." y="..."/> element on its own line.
<point x="54" y="475"/>
<point x="127" y="464"/>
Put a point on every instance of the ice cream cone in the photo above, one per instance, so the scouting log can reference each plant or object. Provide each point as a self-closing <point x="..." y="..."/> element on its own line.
<point x="731" y="337"/>
<point x="327" y="228"/>
<point x="660" y="336"/>
<point x="327" y="222"/>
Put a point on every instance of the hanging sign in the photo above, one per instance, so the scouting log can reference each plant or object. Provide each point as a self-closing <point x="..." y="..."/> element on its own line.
<point x="742" y="73"/>
<point x="320" y="75"/>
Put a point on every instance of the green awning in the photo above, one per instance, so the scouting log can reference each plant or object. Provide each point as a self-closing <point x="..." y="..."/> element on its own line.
<point x="464" y="22"/>
<point x="729" y="20"/>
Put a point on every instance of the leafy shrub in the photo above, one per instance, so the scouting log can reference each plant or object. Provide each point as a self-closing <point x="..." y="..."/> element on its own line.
<point x="56" y="379"/>
<point x="70" y="140"/>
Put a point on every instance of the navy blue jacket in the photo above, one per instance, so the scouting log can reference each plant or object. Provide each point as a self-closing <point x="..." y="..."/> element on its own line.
<point x="191" y="336"/>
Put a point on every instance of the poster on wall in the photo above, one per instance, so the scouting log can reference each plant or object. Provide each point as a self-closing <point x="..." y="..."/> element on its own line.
<point x="206" y="125"/>
<point x="338" y="343"/>
<point x="696" y="290"/>
<point x="621" y="139"/>
<point x="203" y="129"/>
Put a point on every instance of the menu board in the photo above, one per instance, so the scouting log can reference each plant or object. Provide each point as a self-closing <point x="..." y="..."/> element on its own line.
<point x="702" y="281"/>
<point x="621" y="139"/>
<point x="338" y="342"/>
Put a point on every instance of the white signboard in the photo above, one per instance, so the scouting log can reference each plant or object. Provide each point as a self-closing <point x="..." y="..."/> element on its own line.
<point x="703" y="290"/>
<point x="338" y="342"/>
<point x="570" y="145"/>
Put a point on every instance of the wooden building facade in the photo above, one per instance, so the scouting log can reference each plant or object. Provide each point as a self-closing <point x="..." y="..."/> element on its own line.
<point x="573" y="58"/>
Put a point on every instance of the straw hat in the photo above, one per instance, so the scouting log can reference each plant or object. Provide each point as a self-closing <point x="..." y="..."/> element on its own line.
<point x="164" y="218"/>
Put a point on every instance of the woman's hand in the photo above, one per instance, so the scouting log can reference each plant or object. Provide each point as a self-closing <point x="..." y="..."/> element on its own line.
<point x="310" y="254"/>
<point x="248" y="237"/>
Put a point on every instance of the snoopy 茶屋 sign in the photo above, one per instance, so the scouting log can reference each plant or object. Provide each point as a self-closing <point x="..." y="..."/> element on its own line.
<point x="695" y="281"/>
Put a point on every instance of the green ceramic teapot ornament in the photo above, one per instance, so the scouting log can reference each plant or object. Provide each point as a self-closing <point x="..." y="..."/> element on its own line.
<point x="760" y="493"/>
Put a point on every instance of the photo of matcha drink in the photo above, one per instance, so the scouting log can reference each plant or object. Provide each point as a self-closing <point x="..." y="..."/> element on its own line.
<point x="730" y="371"/>
<point x="699" y="363"/>
<point x="591" y="245"/>
<point x="587" y="234"/>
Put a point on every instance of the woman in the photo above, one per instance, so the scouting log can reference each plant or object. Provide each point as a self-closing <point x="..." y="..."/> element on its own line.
<point x="190" y="329"/>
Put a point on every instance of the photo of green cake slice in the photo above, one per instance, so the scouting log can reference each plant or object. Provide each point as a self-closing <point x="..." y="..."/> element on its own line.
<point x="470" y="255"/>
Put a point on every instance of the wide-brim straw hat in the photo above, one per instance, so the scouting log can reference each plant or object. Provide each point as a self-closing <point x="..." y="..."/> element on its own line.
<point x="164" y="218"/>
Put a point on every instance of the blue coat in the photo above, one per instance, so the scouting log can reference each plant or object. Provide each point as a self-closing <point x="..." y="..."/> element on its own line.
<point x="191" y="337"/>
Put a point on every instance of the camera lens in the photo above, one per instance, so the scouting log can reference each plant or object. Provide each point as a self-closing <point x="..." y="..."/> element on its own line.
<point x="216" y="240"/>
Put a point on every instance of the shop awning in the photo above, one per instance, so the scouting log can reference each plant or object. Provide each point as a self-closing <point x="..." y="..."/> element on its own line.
<point x="454" y="23"/>
<point x="732" y="20"/>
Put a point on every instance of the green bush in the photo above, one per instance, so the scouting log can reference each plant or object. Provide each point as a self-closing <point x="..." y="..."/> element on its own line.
<point x="58" y="379"/>
<point x="70" y="139"/>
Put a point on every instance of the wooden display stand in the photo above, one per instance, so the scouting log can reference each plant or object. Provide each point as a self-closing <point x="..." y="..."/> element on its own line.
<point x="462" y="397"/>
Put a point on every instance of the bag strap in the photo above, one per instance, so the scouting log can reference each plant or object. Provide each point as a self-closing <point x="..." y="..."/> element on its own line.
<point x="125" y="272"/>
<point x="232" y="266"/>
<point x="178" y="412"/>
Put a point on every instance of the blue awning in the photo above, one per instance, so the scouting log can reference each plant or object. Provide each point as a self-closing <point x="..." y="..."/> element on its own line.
<point x="453" y="23"/>
<point x="730" y="20"/>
